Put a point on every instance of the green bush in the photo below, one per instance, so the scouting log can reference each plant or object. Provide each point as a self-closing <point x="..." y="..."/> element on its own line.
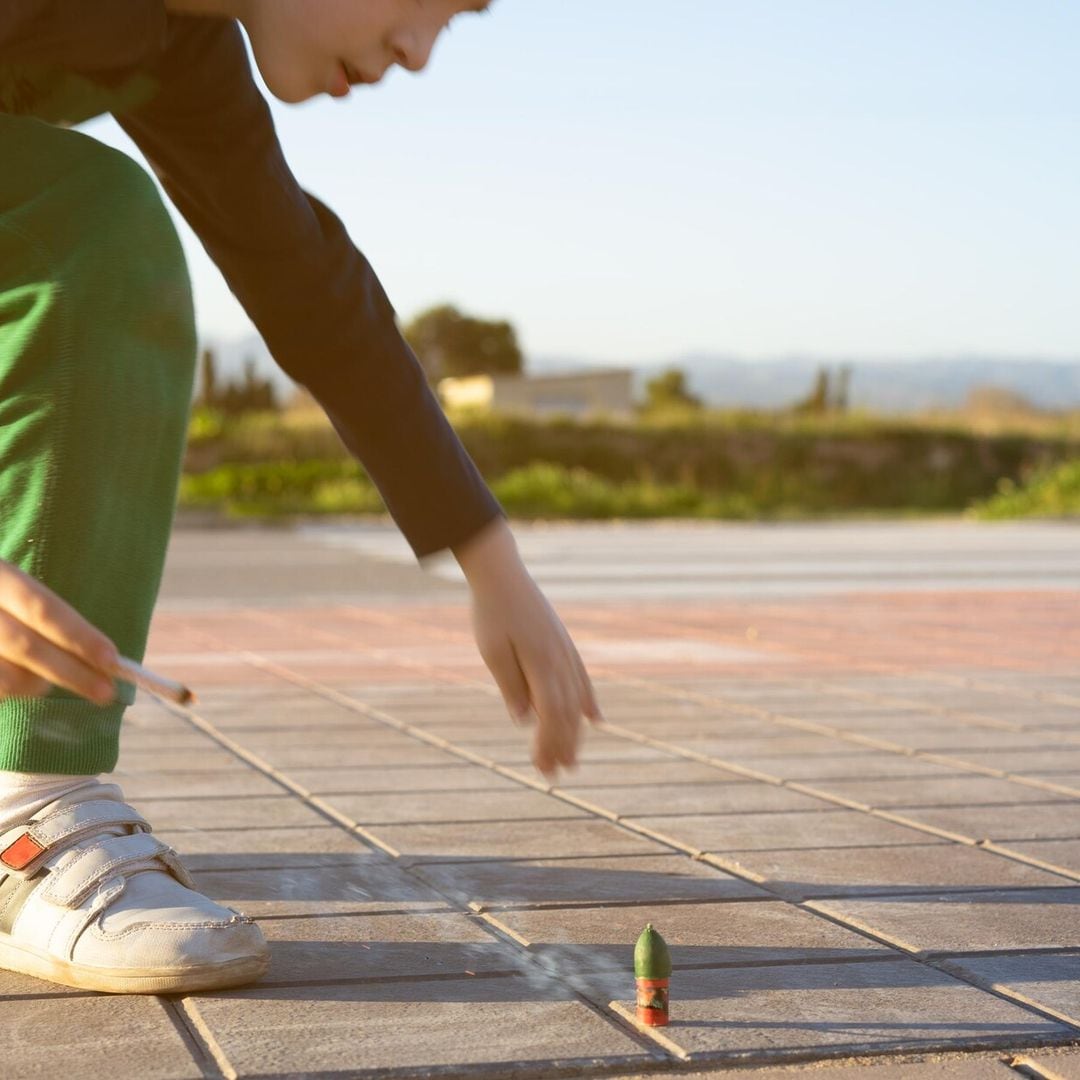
<point x="711" y="464"/>
<point x="1049" y="492"/>
<point x="282" y="487"/>
<point x="547" y="490"/>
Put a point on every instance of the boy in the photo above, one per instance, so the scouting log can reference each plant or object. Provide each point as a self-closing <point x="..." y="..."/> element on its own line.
<point x="97" y="352"/>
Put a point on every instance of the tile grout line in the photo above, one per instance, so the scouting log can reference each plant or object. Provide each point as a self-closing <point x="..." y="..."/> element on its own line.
<point x="198" y="1039"/>
<point x="1025" y="1066"/>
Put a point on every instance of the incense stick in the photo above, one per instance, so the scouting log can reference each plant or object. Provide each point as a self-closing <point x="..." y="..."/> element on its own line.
<point x="155" y="684"/>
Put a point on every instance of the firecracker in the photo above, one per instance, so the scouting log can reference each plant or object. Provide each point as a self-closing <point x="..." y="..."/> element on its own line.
<point x="652" y="971"/>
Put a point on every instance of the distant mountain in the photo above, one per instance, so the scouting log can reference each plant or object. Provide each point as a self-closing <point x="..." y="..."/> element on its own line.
<point x="888" y="386"/>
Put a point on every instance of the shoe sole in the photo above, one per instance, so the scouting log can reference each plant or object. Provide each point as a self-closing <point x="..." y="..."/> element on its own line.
<point x="28" y="961"/>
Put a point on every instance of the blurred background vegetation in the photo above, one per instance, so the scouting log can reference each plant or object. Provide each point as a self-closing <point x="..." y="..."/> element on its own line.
<point x="253" y="455"/>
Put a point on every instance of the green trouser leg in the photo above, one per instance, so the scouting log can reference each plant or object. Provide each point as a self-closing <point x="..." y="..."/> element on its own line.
<point x="97" y="352"/>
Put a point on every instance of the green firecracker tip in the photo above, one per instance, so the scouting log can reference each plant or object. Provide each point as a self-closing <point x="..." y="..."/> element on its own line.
<point x="651" y="957"/>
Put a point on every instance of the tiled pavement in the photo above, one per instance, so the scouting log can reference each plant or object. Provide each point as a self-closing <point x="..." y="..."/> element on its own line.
<point x="840" y="772"/>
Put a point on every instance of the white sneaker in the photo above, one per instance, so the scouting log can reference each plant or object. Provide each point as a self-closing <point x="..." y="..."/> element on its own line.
<point x="90" y="899"/>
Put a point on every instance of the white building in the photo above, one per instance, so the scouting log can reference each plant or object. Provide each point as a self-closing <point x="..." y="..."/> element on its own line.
<point x="597" y="392"/>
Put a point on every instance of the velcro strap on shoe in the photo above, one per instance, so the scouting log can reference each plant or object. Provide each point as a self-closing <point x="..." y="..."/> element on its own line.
<point x="24" y="848"/>
<point x="77" y="874"/>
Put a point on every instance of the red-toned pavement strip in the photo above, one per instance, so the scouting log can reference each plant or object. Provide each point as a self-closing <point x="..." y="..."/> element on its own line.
<point x="847" y="793"/>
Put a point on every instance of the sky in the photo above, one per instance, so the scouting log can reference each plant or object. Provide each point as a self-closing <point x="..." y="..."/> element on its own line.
<point x="628" y="181"/>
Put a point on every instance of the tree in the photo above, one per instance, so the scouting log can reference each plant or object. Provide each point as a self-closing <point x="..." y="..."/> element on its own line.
<point x="669" y="389"/>
<point x="449" y="343"/>
<point x="831" y="393"/>
<point x="817" y="401"/>
<point x="208" y="366"/>
<point x="250" y="394"/>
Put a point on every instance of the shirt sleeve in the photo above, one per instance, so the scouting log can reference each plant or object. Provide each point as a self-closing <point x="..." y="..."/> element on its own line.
<point x="210" y="138"/>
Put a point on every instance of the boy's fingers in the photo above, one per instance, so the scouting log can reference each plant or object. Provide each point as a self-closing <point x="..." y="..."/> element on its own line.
<point x="503" y="664"/>
<point x="37" y="607"/>
<point x="589" y="705"/>
<point x="18" y="682"/>
<point x="21" y="646"/>
<point x="559" y="721"/>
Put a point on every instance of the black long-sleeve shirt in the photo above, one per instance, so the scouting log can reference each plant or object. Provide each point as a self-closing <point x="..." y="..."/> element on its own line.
<point x="208" y="134"/>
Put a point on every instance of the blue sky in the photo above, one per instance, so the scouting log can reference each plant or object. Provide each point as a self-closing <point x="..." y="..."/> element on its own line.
<point x="629" y="180"/>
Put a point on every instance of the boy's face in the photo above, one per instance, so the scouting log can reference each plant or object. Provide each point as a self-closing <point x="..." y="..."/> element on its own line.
<point x="309" y="47"/>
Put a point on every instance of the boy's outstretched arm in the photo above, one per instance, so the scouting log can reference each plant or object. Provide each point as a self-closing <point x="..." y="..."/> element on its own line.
<point x="320" y="308"/>
<point x="526" y="647"/>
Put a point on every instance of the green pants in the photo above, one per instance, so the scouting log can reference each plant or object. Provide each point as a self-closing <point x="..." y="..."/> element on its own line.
<point x="97" y="352"/>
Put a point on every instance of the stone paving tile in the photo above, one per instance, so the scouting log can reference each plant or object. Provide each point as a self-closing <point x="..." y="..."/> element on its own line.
<point x="91" y="1036"/>
<point x="1051" y="982"/>
<point x="610" y="879"/>
<point x="1031" y="821"/>
<point x="411" y="752"/>
<point x="1062" y="853"/>
<point x="859" y="1007"/>
<point x="645" y="773"/>
<point x="202" y="760"/>
<point x="781" y="742"/>
<point x="456" y="776"/>
<point x="262" y="740"/>
<point x="359" y="884"/>
<point x="391" y="808"/>
<point x="684" y="730"/>
<point x="371" y="946"/>
<point x="301" y="711"/>
<point x="513" y="839"/>
<point x="972" y="743"/>
<point x="857" y="766"/>
<point x="879" y="722"/>
<point x="602" y="938"/>
<point x="149" y="786"/>
<point x="868" y="871"/>
<point x="935" y="791"/>
<point x="967" y="922"/>
<point x="824" y="828"/>
<point x="203" y="849"/>
<point x="252" y="812"/>
<point x="691" y="798"/>
<point x="159" y="739"/>
<point x="355" y="1030"/>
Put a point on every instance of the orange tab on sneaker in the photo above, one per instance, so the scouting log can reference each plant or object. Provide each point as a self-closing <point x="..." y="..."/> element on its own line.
<point x="22" y="853"/>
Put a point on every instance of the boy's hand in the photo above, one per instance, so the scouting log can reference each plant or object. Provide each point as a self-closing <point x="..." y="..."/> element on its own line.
<point x="526" y="647"/>
<point x="45" y="641"/>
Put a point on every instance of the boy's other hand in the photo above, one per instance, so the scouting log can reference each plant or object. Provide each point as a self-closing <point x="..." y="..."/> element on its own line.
<point x="44" y="641"/>
<point x="526" y="647"/>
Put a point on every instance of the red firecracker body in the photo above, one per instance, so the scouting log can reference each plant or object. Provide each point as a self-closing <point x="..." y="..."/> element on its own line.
<point x="652" y="1002"/>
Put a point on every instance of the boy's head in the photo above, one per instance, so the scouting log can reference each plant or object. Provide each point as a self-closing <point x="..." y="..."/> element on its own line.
<point x="309" y="47"/>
